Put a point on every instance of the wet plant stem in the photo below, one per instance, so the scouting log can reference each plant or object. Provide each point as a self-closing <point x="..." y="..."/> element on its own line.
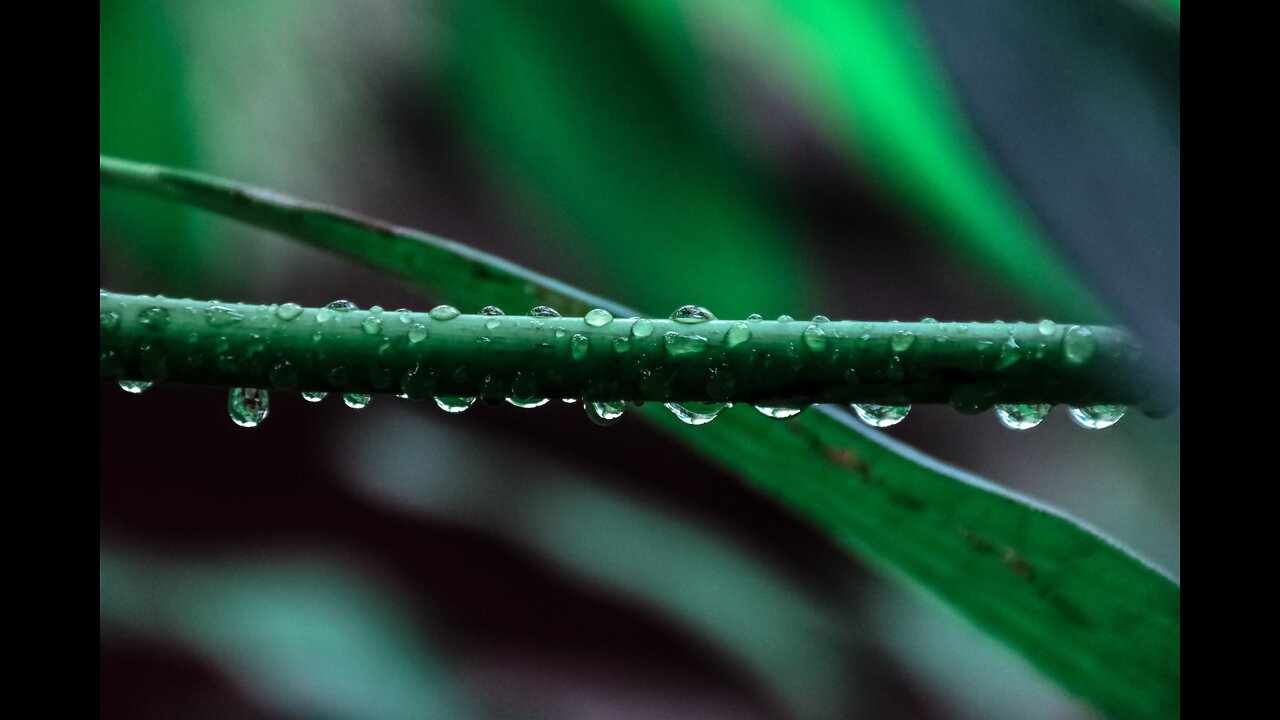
<point x="779" y="364"/>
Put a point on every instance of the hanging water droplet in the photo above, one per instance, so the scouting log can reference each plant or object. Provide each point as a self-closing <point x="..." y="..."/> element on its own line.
<point x="881" y="416"/>
<point x="578" y="346"/>
<point x="598" y="318"/>
<point x="692" y="314"/>
<point x="1078" y="344"/>
<point x="444" y="312"/>
<point x="678" y="345"/>
<point x="220" y="315"/>
<point x="785" y="318"/>
<point x="371" y="325"/>
<point x="1047" y="327"/>
<point x="696" y="413"/>
<point x="1022" y="417"/>
<point x="453" y="403"/>
<point x="313" y="396"/>
<point x="288" y="311"/>
<point x="604" y="413"/>
<point x="621" y="345"/>
<point x="357" y="401"/>
<point x="154" y="318"/>
<point x="815" y="338"/>
<point x="135" y="387"/>
<point x="781" y="413"/>
<point x="417" y="333"/>
<point x="283" y="375"/>
<point x="642" y="328"/>
<point x="247" y="406"/>
<point x="902" y="340"/>
<point x="543" y="311"/>
<point x="737" y="334"/>
<point x="524" y="392"/>
<point x="1097" y="417"/>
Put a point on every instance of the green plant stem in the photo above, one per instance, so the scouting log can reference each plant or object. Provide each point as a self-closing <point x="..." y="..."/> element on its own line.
<point x="795" y="363"/>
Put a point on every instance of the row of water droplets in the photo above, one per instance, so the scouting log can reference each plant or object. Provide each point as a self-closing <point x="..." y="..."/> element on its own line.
<point x="248" y="407"/>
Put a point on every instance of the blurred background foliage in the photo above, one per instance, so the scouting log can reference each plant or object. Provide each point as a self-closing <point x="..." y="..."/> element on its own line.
<point x="1010" y="159"/>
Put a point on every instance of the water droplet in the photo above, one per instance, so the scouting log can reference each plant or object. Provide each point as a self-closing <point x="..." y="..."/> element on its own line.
<point x="928" y="320"/>
<point x="621" y="345"/>
<point x="288" y="311"/>
<point x="755" y="317"/>
<point x="1010" y="353"/>
<point x="543" y="311"/>
<point x="820" y="319"/>
<point x="881" y="416"/>
<point x="492" y="323"/>
<point x="247" y="406"/>
<point x="454" y="404"/>
<point x="696" y="413"/>
<point x="154" y="318"/>
<point x="283" y="375"/>
<point x="815" y="339"/>
<point x="314" y="396"/>
<point x="692" y="314"/>
<point x="561" y="332"/>
<point x="737" y="334"/>
<point x="578" y="346"/>
<point x="524" y="392"/>
<point x="135" y="387"/>
<point x="444" y="312"/>
<point x="1047" y="327"/>
<point x="376" y="310"/>
<point x="678" y="345"/>
<point x="642" y="328"/>
<point x="491" y="310"/>
<point x="108" y="320"/>
<point x="1022" y="417"/>
<point x="781" y="413"/>
<point x="371" y="325"/>
<point x="785" y="318"/>
<point x="220" y="315"/>
<point x="1097" y="417"/>
<point x="1078" y="344"/>
<point x="417" y="333"/>
<point x="404" y="315"/>
<point x="328" y="312"/>
<point x="902" y="340"/>
<point x="598" y="318"/>
<point x="604" y="413"/>
<point x="357" y="401"/>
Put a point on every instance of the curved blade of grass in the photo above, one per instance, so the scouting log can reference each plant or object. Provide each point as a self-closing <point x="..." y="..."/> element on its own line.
<point x="1083" y="609"/>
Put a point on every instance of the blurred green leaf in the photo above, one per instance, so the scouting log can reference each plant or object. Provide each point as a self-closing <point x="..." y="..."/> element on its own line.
<point x="1083" y="609"/>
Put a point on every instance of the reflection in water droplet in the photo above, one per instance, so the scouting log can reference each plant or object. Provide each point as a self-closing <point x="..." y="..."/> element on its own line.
<point x="815" y="338"/>
<point x="1078" y="344"/>
<point x="696" y="413"/>
<point x="604" y="413"/>
<point x="247" y="406"/>
<point x="357" y="401"/>
<point x="1022" y="417"/>
<point x="881" y="416"/>
<point x="598" y="318"/>
<point x="454" y="404"/>
<point x="737" y="334"/>
<point x="692" y="314"/>
<point x="135" y="387"/>
<point x="1097" y="417"/>
<point x="780" y="413"/>
<point x="444" y="312"/>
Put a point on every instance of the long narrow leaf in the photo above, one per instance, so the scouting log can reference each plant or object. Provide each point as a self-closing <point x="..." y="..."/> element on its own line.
<point x="1083" y="609"/>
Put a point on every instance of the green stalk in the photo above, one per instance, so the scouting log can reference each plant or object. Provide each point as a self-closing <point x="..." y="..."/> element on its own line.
<point x="793" y="363"/>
